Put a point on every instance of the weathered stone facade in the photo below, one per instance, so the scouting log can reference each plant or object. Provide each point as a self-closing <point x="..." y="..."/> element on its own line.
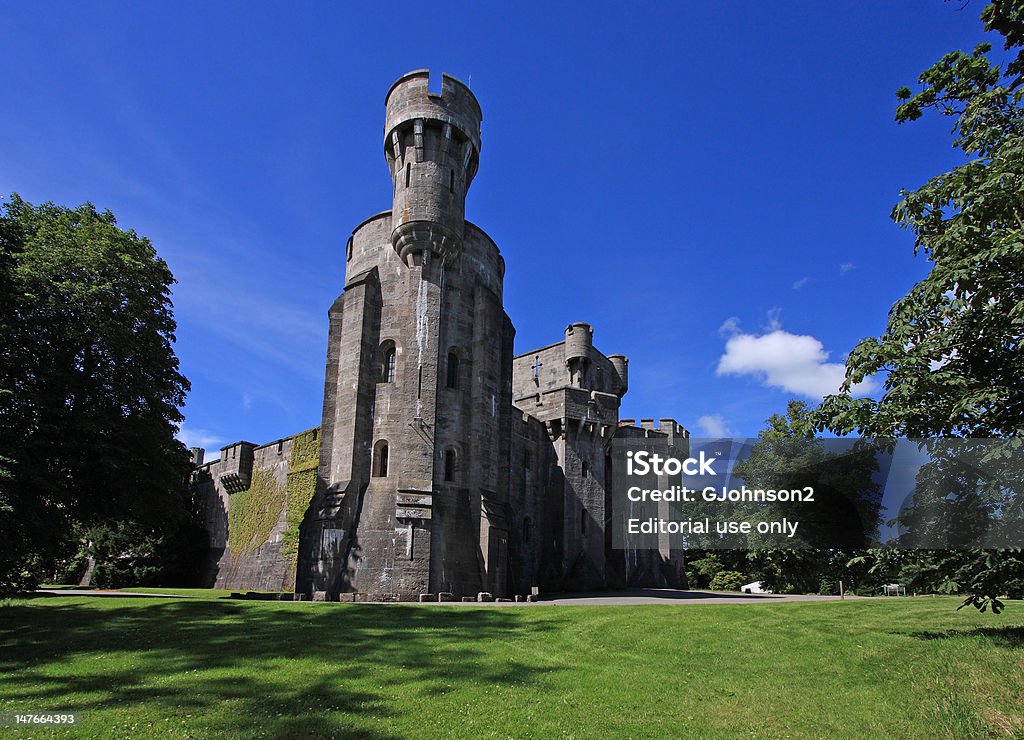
<point x="447" y="465"/>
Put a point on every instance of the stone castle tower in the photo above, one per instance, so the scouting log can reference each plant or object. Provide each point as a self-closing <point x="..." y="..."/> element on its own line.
<point x="446" y="463"/>
<point x="415" y="434"/>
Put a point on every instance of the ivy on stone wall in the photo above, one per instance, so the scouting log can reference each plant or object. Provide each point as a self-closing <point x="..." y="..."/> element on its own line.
<point x="301" y="485"/>
<point x="255" y="512"/>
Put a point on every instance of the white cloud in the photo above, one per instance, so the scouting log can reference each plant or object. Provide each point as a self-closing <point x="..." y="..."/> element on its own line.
<point x="200" y="438"/>
<point x="801" y="283"/>
<point x="795" y="363"/>
<point x="713" y="426"/>
<point x="846" y="267"/>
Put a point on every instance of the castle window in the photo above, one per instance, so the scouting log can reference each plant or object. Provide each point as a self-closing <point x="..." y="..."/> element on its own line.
<point x="387" y="362"/>
<point x="527" y="527"/>
<point x="453" y="370"/>
<point x="451" y="181"/>
<point x="449" y="465"/>
<point x="348" y="249"/>
<point x="380" y="459"/>
<point x="527" y="459"/>
<point x="586" y="469"/>
<point x="408" y="174"/>
<point x="583" y="522"/>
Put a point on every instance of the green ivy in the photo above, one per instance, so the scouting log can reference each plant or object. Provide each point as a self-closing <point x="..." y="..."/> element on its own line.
<point x="254" y="513"/>
<point x="302" y="472"/>
<point x="305" y="451"/>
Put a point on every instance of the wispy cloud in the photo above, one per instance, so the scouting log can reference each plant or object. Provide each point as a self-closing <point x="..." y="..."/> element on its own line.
<point x="845" y="267"/>
<point x="246" y="314"/>
<point x="200" y="438"/>
<point x="713" y="426"/>
<point x="797" y="285"/>
<point x="729" y="327"/>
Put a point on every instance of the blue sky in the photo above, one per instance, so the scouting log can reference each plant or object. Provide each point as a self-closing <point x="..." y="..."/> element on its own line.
<point x="708" y="184"/>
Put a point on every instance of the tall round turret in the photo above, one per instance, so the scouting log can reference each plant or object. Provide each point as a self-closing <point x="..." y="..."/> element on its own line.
<point x="432" y="144"/>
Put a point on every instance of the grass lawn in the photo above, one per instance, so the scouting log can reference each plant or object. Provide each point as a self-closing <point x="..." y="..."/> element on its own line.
<point x="200" y="667"/>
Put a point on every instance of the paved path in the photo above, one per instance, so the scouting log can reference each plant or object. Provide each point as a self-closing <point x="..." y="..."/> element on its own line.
<point x="675" y="596"/>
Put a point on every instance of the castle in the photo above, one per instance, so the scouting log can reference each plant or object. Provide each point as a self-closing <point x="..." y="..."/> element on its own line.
<point x="445" y="465"/>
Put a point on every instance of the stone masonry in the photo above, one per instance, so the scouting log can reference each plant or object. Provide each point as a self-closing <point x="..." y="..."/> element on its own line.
<point x="447" y="464"/>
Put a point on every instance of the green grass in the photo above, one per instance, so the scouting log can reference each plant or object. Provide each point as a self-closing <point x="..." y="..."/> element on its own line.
<point x="202" y="667"/>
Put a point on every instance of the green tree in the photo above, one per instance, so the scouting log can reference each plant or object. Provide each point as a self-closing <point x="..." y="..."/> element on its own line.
<point x="843" y="517"/>
<point x="89" y="384"/>
<point x="951" y="353"/>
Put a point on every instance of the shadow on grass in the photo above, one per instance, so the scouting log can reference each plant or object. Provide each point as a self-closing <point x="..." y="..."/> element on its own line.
<point x="247" y="668"/>
<point x="1007" y="637"/>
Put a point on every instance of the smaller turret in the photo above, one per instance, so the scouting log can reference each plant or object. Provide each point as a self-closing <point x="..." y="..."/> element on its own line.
<point x="621" y="365"/>
<point x="432" y="144"/>
<point x="579" y="344"/>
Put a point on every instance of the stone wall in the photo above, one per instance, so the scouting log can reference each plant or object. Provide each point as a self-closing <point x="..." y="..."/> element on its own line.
<point x="251" y="500"/>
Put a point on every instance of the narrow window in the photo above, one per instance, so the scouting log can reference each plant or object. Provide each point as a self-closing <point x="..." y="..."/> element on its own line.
<point x="451" y="181"/>
<point x="408" y="173"/>
<point x="380" y="462"/>
<point x="527" y="526"/>
<point x="449" y="465"/>
<point x="453" y="370"/>
<point x="527" y="459"/>
<point x="387" y="366"/>
<point x="586" y="469"/>
<point x="583" y="522"/>
<point x="419" y="383"/>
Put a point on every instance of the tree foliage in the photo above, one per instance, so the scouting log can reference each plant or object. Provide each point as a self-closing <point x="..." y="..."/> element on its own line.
<point x="89" y="384"/>
<point x="951" y="353"/>
<point x="843" y="518"/>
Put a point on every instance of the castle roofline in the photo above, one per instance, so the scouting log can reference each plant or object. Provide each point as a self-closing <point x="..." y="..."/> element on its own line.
<point x="374" y="217"/>
<point x="538" y="349"/>
<point x="444" y="76"/>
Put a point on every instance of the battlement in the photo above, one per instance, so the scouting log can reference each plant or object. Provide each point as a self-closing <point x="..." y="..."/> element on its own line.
<point x="410" y="98"/>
